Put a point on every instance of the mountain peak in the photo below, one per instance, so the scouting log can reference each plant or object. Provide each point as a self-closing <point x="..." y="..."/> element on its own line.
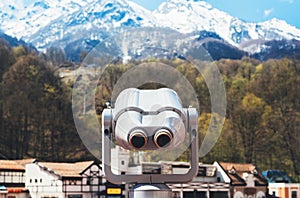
<point x="187" y="1"/>
<point x="94" y="21"/>
<point x="189" y="16"/>
<point x="45" y="21"/>
<point x="171" y="4"/>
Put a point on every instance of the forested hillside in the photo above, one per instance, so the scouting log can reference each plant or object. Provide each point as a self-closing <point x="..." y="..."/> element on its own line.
<point x="262" y="122"/>
<point x="36" y="115"/>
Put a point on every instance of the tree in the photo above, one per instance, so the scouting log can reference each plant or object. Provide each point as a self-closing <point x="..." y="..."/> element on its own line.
<point x="277" y="81"/>
<point x="20" y="51"/>
<point x="6" y="57"/>
<point x="227" y="147"/>
<point x="37" y="112"/>
<point x="248" y="121"/>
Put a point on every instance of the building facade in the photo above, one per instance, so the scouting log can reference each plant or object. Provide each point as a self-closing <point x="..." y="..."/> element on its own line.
<point x="33" y="179"/>
<point x="284" y="190"/>
<point x="207" y="184"/>
<point x="12" y="178"/>
<point x="65" y="180"/>
<point x="245" y="180"/>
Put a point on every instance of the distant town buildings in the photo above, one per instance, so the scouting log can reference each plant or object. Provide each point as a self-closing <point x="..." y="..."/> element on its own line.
<point x="285" y="190"/>
<point x="280" y="184"/>
<point x="245" y="180"/>
<point x="12" y="178"/>
<point x="60" y="180"/>
<point x="34" y="179"/>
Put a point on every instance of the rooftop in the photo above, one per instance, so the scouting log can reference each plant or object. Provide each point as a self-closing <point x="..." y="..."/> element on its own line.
<point x="235" y="172"/>
<point x="66" y="169"/>
<point x="14" y="165"/>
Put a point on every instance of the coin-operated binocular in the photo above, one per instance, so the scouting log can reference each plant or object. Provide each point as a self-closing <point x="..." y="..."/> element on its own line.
<point x="147" y="120"/>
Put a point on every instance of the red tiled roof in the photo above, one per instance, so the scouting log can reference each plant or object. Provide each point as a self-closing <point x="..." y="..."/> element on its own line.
<point x="235" y="172"/>
<point x="67" y="169"/>
<point x="238" y="167"/>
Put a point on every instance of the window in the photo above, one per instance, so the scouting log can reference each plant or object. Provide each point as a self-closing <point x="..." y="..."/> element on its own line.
<point x="294" y="194"/>
<point x="194" y="193"/>
<point x="72" y="182"/>
<point x="122" y="162"/>
<point x="75" y="196"/>
<point x="219" y="194"/>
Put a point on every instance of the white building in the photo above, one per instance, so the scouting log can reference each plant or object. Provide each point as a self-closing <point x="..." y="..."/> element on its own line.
<point x="12" y="178"/>
<point x="64" y="180"/>
<point x="285" y="190"/>
<point x="120" y="164"/>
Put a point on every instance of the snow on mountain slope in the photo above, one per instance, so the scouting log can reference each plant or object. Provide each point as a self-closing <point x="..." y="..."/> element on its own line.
<point x="188" y="16"/>
<point x="94" y="22"/>
<point x="9" y="11"/>
<point x="195" y="15"/>
<point x="23" y="21"/>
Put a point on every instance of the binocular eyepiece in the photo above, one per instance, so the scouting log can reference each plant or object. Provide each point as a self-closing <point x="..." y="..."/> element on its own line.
<point x="138" y="139"/>
<point x="161" y="139"/>
<point x="149" y="119"/>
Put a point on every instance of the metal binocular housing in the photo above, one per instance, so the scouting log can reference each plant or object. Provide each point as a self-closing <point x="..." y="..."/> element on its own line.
<point x="149" y="120"/>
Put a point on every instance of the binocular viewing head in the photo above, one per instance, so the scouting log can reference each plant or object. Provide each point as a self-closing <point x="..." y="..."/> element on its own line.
<point x="149" y="119"/>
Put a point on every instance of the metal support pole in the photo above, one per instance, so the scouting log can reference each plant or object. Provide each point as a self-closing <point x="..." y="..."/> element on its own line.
<point x="150" y="191"/>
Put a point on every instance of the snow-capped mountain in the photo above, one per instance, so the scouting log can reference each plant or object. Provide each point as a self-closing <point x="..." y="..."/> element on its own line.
<point x="21" y="20"/>
<point x="195" y="15"/>
<point x="61" y="23"/>
<point x="95" y="21"/>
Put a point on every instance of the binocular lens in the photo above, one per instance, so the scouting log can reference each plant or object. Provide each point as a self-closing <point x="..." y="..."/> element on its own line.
<point x="162" y="138"/>
<point x="138" y="139"/>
